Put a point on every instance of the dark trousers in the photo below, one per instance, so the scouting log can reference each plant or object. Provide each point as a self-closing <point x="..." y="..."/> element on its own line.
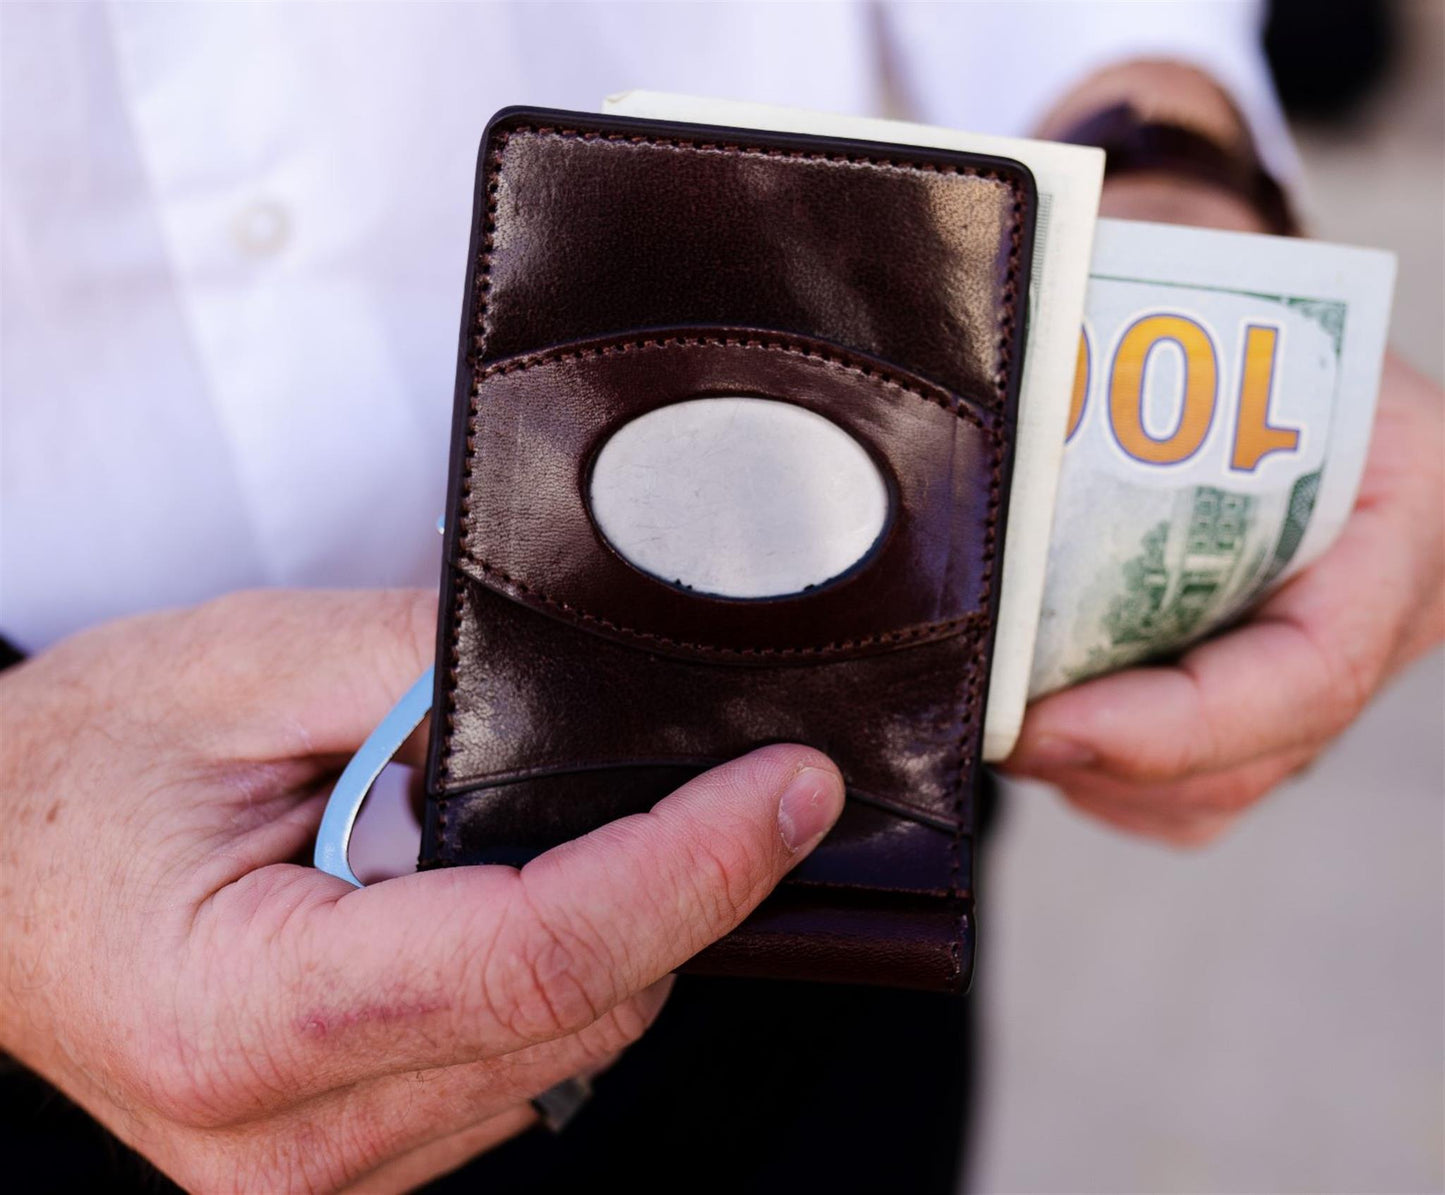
<point x="745" y="1086"/>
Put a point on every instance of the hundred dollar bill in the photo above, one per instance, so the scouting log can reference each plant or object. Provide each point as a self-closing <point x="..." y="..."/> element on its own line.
<point x="1217" y="410"/>
<point x="1221" y="414"/>
<point x="1069" y="178"/>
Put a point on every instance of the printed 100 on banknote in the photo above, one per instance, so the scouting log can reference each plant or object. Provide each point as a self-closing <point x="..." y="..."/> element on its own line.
<point x="1221" y="414"/>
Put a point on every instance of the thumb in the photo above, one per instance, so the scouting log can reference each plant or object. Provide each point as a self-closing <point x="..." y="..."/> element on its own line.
<point x="645" y="893"/>
<point x="488" y="959"/>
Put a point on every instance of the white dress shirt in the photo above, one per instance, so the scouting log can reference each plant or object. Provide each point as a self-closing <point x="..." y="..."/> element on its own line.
<point x="233" y="240"/>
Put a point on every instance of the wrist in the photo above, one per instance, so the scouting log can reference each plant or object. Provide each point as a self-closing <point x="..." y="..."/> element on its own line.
<point x="1177" y="149"/>
<point x="1160" y="91"/>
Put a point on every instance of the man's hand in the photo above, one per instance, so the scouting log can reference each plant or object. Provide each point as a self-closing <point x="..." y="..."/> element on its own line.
<point x="251" y="1023"/>
<point x="1179" y="751"/>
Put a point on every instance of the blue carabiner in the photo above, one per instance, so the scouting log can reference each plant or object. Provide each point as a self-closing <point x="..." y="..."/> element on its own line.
<point x="333" y="839"/>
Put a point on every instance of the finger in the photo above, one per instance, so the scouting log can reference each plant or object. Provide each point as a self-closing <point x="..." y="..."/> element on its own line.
<point x="408" y="1109"/>
<point x="1296" y="674"/>
<point x="284" y="828"/>
<point x="453" y="965"/>
<point x="278" y="674"/>
<point x="311" y="1157"/>
<point x="411" y="1114"/>
<point x="1187" y="812"/>
<point x="430" y="1161"/>
<point x="1275" y="684"/>
<point x="667" y="883"/>
<point x="1190" y="834"/>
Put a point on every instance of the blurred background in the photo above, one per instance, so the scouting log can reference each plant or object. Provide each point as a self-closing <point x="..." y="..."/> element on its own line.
<point x="1269" y="1014"/>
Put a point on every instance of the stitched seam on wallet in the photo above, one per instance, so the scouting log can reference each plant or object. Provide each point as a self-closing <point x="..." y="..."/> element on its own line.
<point x="972" y="712"/>
<point x="837" y="361"/>
<point x="490" y="781"/>
<point x="502" y="777"/>
<point x="1006" y="331"/>
<point x="483" y="286"/>
<point x="944" y="629"/>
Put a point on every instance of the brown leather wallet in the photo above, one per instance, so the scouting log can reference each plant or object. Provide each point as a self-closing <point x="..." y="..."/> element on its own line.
<point x="620" y="265"/>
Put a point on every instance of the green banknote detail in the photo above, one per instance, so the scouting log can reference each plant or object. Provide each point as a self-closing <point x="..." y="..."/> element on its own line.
<point x="1296" y="521"/>
<point x="1166" y="599"/>
<point x="1162" y="604"/>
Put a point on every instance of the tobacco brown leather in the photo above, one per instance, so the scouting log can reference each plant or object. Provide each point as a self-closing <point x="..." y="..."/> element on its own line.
<point x="621" y="265"/>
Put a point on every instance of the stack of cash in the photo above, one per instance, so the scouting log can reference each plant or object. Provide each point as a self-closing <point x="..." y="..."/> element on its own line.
<point x="1194" y="417"/>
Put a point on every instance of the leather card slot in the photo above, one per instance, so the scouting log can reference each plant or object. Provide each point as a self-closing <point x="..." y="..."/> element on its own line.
<point x="540" y="420"/>
<point x="899" y="724"/>
<point x="898" y="942"/>
<point x="512" y="822"/>
<point x="686" y="766"/>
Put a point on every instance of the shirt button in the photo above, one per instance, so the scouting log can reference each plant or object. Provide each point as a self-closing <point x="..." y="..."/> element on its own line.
<point x="262" y="228"/>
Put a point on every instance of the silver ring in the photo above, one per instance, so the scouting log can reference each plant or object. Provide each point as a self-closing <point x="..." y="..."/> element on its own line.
<point x="561" y="1102"/>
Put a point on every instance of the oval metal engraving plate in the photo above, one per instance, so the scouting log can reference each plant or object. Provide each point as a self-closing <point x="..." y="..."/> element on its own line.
<point x="738" y="497"/>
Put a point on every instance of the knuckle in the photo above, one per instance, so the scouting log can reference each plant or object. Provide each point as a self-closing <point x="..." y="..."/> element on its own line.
<point x="361" y="1138"/>
<point x="196" y="1079"/>
<point x="1344" y="683"/>
<point x="552" y="982"/>
<point x="723" y="878"/>
<point x="616" y="1030"/>
<point x="1207" y="743"/>
<point x="1162" y="758"/>
<point x="1231" y="793"/>
<point x="631" y="1020"/>
<point x="304" y="1155"/>
<point x="184" y="1092"/>
<point x="191" y="1093"/>
<point x="1340" y="709"/>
